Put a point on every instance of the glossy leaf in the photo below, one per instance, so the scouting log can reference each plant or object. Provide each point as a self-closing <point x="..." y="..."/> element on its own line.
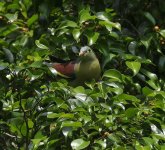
<point x="92" y="37"/>
<point x="162" y="33"/>
<point x="102" y="16"/>
<point x="84" y="15"/>
<point x="113" y="74"/>
<point x="37" y="42"/>
<point x="76" y="34"/>
<point x="9" y="55"/>
<point x="71" y="124"/>
<point x="32" y="20"/>
<point x="79" y="144"/>
<point x="110" y="25"/>
<point x="134" y="66"/>
<point x="12" y="17"/>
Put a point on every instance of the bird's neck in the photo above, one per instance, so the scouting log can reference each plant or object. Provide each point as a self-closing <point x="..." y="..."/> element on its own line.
<point x="89" y="57"/>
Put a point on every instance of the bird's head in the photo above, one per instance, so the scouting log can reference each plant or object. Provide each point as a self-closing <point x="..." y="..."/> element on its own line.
<point x="86" y="52"/>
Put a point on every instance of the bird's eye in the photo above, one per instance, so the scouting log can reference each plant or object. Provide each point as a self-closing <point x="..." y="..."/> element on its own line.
<point x="89" y="50"/>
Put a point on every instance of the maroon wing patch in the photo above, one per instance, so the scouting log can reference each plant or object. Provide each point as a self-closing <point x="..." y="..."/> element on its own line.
<point x="65" y="68"/>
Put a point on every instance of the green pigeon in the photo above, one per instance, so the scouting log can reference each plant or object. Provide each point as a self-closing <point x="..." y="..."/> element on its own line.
<point x="85" y="68"/>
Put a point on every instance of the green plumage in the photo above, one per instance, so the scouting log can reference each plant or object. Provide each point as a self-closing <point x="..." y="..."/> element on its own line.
<point x="85" y="68"/>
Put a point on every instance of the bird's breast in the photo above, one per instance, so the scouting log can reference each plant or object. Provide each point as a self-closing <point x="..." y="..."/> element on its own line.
<point x="88" y="70"/>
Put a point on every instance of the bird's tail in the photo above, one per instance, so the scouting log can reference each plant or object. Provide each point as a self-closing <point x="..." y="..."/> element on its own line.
<point x="47" y="64"/>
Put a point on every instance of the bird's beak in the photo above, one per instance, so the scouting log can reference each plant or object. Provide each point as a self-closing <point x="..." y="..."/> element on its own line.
<point x="81" y="53"/>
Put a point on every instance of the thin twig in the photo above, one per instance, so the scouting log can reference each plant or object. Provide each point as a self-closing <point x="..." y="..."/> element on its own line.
<point x="26" y="122"/>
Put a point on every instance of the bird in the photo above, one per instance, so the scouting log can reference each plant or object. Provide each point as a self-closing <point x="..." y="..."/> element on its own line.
<point x="85" y="68"/>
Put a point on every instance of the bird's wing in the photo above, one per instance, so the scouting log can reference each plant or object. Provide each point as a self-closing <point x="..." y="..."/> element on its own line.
<point x="66" y="70"/>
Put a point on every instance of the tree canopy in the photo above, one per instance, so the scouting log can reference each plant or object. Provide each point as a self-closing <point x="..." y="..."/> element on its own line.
<point x="125" y="109"/>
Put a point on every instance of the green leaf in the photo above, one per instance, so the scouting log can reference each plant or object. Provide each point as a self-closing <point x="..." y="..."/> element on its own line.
<point x="30" y="123"/>
<point x="71" y="124"/>
<point x="114" y="74"/>
<point x="3" y="43"/>
<point x="79" y="144"/>
<point x="13" y="6"/>
<point x="123" y="97"/>
<point x="36" y="64"/>
<point x="102" y="143"/>
<point x="53" y="115"/>
<point x="132" y="47"/>
<point x="146" y="40"/>
<point x="114" y="138"/>
<point x="102" y="16"/>
<point x="162" y="63"/>
<point x="162" y="33"/>
<point x="68" y="23"/>
<point x="37" y="42"/>
<point x="66" y="131"/>
<point x="9" y="55"/>
<point x="109" y="25"/>
<point x="149" y="74"/>
<point x="32" y="20"/>
<point x="2" y="8"/>
<point x="84" y="15"/>
<point x="92" y="37"/>
<point x="134" y="66"/>
<point x="131" y="112"/>
<point x="60" y="115"/>
<point x="148" y="141"/>
<point x="147" y="91"/>
<point x="76" y="34"/>
<point x="12" y="17"/>
<point x="150" y="17"/>
<point x="8" y="29"/>
<point x="159" y="136"/>
<point x="153" y="84"/>
<point x="79" y="89"/>
<point x="140" y="147"/>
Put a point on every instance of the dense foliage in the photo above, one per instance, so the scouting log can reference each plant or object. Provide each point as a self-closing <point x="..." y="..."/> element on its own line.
<point x="124" y="110"/>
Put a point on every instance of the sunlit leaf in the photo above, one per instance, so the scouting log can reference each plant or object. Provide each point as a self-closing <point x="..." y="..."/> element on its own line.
<point x="76" y="34"/>
<point x="114" y="74"/>
<point x="92" y="37"/>
<point x="66" y="131"/>
<point x="123" y="97"/>
<point x="71" y="124"/>
<point x="85" y="15"/>
<point x="102" y="143"/>
<point x="40" y="45"/>
<point x="162" y="33"/>
<point x="30" y="123"/>
<point x="102" y="16"/>
<point x="134" y="66"/>
<point x="32" y="20"/>
<point x="36" y="64"/>
<point x="110" y="25"/>
<point x="12" y="17"/>
<point x="79" y="144"/>
<point x="149" y="74"/>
